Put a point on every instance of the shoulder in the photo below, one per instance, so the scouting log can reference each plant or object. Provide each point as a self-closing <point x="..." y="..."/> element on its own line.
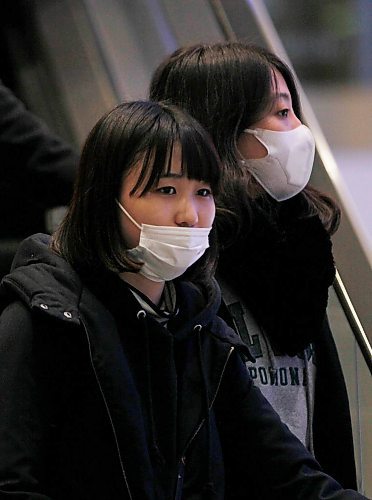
<point x="33" y="344"/>
<point x="17" y="340"/>
<point x="15" y="318"/>
<point x="21" y="327"/>
<point x="224" y="334"/>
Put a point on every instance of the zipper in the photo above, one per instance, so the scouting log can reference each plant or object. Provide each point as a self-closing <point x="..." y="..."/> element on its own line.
<point x="107" y="410"/>
<point x="182" y="463"/>
<point x="180" y="476"/>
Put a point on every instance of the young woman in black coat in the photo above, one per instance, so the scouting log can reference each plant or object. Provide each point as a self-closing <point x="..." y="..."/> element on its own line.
<point x="117" y="378"/>
<point x="276" y="262"/>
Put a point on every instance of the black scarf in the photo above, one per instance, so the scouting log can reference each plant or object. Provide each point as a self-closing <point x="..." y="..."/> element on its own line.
<point x="281" y="265"/>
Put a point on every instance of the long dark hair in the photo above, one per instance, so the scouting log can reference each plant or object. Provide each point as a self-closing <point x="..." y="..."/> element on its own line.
<point x="89" y="236"/>
<point x="227" y="87"/>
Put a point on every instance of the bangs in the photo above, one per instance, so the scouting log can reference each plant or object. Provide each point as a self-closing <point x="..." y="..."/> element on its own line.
<point x="274" y="91"/>
<point x="199" y="159"/>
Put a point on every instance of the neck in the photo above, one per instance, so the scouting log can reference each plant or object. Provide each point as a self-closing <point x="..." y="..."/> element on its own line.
<point x="152" y="289"/>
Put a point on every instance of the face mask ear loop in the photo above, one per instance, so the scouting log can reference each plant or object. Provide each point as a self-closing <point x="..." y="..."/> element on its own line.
<point x="127" y="214"/>
<point x="253" y="132"/>
<point x="241" y="157"/>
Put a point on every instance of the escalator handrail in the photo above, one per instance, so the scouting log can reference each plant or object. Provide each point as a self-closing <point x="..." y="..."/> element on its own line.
<point x="353" y="320"/>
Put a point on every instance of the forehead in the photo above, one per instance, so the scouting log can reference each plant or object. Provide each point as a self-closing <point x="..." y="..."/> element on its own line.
<point x="140" y="173"/>
<point x="279" y="85"/>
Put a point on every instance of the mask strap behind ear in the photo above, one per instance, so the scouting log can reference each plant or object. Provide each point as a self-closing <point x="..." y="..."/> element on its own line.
<point x="127" y="214"/>
<point x="250" y="131"/>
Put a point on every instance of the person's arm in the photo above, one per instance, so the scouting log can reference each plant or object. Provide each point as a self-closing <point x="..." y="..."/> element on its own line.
<point x="22" y="430"/>
<point x="264" y="460"/>
<point x="29" y="149"/>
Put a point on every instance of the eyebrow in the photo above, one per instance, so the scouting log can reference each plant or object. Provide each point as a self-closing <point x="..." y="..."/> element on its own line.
<point x="282" y="95"/>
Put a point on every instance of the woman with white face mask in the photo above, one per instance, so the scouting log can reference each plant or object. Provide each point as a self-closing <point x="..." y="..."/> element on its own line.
<point x="117" y="379"/>
<point x="276" y="263"/>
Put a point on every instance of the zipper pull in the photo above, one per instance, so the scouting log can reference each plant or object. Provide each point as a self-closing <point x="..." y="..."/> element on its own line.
<point x="180" y="476"/>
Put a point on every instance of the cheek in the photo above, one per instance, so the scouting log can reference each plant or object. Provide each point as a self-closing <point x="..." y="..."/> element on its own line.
<point x="209" y="215"/>
<point x="250" y="147"/>
<point x="129" y="232"/>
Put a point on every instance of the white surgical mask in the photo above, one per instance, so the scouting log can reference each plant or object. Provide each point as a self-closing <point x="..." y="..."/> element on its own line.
<point x="167" y="251"/>
<point x="286" y="169"/>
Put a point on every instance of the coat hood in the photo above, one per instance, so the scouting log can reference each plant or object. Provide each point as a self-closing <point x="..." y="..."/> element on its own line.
<point x="45" y="282"/>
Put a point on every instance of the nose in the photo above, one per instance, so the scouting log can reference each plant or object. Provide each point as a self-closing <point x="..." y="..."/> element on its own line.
<point x="295" y="122"/>
<point x="187" y="214"/>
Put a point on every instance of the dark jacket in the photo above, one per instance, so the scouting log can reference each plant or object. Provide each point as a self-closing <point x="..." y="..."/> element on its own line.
<point x="37" y="169"/>
<point x="104" y="403"/>
<point x="281" y="265"/>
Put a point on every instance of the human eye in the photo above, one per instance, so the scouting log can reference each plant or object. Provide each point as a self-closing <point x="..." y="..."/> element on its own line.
<point x="283" y="113"/>
<point x="168" y="190"/>
<point x="205" y="192"/>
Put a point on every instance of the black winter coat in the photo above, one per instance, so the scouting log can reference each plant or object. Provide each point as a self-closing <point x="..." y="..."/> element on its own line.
<point x="281" y="265"/>
<point x="101" y="403"/>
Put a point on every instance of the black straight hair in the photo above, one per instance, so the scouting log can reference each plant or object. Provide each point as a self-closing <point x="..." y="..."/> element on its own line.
<point x="228" y="87"/>
<point x="89" y="237"/>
